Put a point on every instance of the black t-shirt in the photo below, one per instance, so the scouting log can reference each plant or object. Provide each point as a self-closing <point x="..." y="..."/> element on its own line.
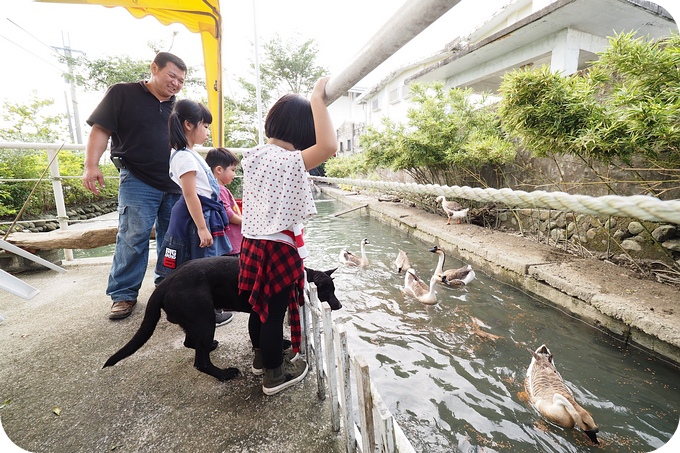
<point x="138" y="122"/>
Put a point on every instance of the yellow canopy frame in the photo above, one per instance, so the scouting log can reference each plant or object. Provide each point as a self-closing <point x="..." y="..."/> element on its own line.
<point x="199" y="16"/>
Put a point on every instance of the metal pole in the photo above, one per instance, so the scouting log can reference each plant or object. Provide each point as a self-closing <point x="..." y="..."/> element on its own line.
<point x="258" y="89"/>
<point x="412" y="18"/>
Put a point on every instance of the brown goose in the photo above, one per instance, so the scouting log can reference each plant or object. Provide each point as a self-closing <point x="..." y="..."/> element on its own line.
<point x="453" y="210"/>
<point x="351" y="259"/>
<point x="402" y="262"/>
<point x="416" y="287"/>
<point x="551" y="397"/>
<point x="452" y="277"/>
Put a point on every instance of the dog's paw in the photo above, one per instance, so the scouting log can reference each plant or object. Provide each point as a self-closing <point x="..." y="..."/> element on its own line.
<point x="228" y="373"/>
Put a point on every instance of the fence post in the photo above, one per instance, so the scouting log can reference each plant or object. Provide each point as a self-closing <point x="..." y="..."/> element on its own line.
<point x="365" y="401"/>
<point x="345" y="387"/>
<point x="58" y="191"/>
<point x="331" y="364"/>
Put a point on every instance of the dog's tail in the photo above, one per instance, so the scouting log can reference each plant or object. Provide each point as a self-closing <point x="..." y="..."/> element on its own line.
<point x="151" y="317"/>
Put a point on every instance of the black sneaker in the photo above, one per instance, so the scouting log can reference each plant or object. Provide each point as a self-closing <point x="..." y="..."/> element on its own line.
<point x="223" y="317"/>
<point x="289" y="373"/>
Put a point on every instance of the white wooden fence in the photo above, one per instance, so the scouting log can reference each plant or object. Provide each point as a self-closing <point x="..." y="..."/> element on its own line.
<point x="341" y="376"/>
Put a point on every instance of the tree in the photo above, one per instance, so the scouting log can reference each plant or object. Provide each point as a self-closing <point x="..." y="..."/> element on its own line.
<point x="28" y="123"/>
<point x="288" y="67"/>
<point x="627" y="104"/>
<point x="449" y="136"/>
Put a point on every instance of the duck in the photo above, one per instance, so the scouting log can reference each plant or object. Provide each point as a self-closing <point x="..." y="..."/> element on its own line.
<point x="416" y="287"/>
<point x="402" y="262"/>
<point x="452" y="277"/>
<point x="350" y="259"/>
<point x="453" y="210"/>
<point x="552" y="398"/>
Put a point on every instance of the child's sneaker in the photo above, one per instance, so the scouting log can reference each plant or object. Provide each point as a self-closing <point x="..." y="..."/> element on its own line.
<point x="284" y="376"/>
<point x="223" y="317"/>
<point x="258" y="367"/>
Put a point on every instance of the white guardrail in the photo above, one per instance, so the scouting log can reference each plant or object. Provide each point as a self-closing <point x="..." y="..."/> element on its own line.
<point x="328" y="353"/>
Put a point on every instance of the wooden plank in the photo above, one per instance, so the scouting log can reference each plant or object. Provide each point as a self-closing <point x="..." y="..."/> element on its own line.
<point x="348" y="210"/>
<point x="65" y="239"/>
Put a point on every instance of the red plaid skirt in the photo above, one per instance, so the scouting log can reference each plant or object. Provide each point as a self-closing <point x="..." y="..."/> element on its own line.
<point x="267" y="268"/>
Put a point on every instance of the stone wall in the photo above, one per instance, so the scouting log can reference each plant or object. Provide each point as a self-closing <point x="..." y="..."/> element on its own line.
<point x="75" y="214"/>
<point x="614" y="236"/>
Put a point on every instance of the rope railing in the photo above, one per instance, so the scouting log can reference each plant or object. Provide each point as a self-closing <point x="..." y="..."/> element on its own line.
<point x="641" y="207"/>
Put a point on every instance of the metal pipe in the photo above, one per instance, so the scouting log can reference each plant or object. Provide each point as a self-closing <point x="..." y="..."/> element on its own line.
<point x="412" y="18"/>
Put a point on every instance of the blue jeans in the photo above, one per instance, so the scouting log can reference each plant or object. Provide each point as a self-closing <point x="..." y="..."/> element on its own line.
<point x="140" y="206"/>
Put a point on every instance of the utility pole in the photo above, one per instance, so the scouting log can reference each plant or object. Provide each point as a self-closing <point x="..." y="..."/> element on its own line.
<point x="72" y="82"/>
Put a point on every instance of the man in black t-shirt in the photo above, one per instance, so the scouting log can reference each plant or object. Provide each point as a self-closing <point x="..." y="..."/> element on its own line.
<point x="135" y="117"/>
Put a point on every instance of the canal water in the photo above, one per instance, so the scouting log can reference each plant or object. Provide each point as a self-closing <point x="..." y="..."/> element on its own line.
<point x="452" y="373"/>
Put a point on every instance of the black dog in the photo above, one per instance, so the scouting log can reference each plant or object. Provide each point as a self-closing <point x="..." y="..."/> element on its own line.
<point x="189" y="296"/>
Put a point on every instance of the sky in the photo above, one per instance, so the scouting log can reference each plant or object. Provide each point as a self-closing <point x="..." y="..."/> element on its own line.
<point x="30" y="30"/>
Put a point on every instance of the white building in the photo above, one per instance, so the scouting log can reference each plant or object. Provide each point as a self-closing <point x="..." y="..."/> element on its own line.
<point x="565" y="34"/>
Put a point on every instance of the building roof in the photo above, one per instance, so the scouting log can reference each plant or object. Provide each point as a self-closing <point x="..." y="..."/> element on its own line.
<point x="597" y="17"/>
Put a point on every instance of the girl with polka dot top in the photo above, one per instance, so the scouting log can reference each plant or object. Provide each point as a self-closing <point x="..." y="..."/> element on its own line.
<point x="277" y="199"/>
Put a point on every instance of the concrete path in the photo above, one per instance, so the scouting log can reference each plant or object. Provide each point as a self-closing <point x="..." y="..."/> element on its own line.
<point x="52" y="349"/>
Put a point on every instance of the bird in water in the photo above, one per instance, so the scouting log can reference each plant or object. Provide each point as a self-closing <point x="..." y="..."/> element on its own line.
<point x="453" y="210"/>
<point x="416" y="287"/>
<point x="350" y="259"/>
<point x="452" y="277"/>
<point x="552" y="398"/>
<point x="402" y="262"/>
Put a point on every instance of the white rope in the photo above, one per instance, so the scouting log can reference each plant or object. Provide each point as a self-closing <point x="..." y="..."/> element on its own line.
<point x="641" y="207"/>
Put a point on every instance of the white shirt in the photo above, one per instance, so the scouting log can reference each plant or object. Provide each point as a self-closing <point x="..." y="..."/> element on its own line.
<point x="276" y="191"/>
<point x="183" y="162"/>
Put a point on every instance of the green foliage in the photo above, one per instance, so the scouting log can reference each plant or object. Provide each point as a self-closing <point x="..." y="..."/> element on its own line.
<point x="290" y="67"/>
<point x="448" y="133"/>
<point x="99" y="74"/>
<point x="286" y="67"/>
<point x="627" y="104"/>
<point x="347" y="167"/>
<point x="28" y="123"/>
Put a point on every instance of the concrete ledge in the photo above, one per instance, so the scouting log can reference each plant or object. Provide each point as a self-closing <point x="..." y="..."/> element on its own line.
<point x="608" y="296"/>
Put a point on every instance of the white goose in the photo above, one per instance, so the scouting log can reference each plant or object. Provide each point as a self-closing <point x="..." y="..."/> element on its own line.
<point x="452" y="277"/>
<point x="351" y="259"/>
<point x="453" y="210"/>
<point x="402" y="262"/>
<point x="551" y="397"/>
<point x="416" y="287"/>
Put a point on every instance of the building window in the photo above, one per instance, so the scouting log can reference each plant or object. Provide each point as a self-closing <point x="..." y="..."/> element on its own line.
<point x="340" y="147"/>
<point x="375" y="104"/>
<point x="394" y="95"/>
<point x="405" y="92"/>
<point x="349" y="145"/>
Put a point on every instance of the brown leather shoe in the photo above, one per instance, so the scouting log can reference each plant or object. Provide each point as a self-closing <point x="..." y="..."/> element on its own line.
<point x="122" y="309"/>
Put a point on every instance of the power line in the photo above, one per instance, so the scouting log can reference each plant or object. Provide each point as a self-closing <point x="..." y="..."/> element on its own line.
<point x="31" y="35"/>
<point x="35" y="55"/>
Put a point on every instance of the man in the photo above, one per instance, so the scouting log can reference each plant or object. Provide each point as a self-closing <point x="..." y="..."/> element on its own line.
<point x="135" y="117"/>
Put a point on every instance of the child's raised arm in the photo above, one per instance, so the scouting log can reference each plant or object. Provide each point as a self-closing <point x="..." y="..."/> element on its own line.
<point x="326" y="141"/>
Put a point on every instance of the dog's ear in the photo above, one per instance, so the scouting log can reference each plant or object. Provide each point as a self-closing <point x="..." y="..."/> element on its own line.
<point x="330" y="271"/>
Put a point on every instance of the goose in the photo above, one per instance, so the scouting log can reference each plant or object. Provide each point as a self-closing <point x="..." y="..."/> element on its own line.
<point x="453" y="210"/>
<point x="452" y="277"/>
<point x="416" y="287"/>
<point x="351" y="259"/>
<point x="551" y="397"/>
<point x="402" y="262"/>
